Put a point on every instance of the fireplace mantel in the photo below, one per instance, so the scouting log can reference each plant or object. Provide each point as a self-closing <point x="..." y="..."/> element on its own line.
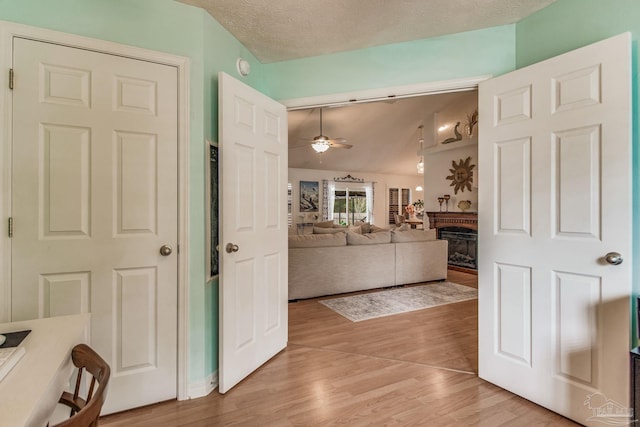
<point x="453" y="219"/>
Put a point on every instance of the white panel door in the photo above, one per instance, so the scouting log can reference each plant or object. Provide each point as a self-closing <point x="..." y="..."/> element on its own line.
<point x="94" y="199"/>
<point x="253" y="191"/>
<point x="555" y="199"/>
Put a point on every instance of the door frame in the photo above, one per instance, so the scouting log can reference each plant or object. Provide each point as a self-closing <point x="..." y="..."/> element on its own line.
<point x="8" y="31"/>
<point x="384" y="93"/>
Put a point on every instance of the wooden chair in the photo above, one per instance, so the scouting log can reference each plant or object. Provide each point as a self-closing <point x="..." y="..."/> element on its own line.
<point x="85" y="411"/>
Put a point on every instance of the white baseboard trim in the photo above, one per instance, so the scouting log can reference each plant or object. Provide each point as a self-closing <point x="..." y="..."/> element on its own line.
<point x="203" y="388"/>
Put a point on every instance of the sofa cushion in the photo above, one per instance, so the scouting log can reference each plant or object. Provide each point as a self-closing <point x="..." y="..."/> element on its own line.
<point x="324" y="224"/>
<point x="368" y="239"/>
<point x="318" y="240"/>
<point x="324" y="230"/>
<point x="352" y="228"/>
<point x="400" y="236"/>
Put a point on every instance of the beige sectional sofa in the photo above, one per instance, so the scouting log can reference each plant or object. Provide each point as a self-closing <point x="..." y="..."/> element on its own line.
<point x="348" y="261"/>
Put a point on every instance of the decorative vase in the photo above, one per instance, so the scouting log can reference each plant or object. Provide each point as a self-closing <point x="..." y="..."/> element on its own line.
<point x="463" y="205"/>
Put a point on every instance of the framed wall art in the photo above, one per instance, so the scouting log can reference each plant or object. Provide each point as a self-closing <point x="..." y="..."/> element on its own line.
<point x="309" y="196"/>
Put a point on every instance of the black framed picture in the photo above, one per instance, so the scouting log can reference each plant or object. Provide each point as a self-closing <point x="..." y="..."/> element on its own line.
<point x="213" y="223"/>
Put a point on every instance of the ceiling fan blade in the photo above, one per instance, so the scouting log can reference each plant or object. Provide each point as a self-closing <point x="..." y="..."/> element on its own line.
<point x="335" y="144"/>
<point x="338" y="140"/>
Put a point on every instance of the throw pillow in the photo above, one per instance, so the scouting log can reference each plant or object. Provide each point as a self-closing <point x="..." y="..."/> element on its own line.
<point x="355" y="229"/>
<point x="366" y="227"/>
<point x="318" y="240"/>
<point x="376" y="229"/>
<point x="368" y="239"/>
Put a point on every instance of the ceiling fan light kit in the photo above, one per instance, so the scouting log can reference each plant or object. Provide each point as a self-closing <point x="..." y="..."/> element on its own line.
<point x="322" y="143"/>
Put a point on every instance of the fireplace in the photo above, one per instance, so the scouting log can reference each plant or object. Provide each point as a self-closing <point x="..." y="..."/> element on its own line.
<point x="463" y="247"/>
<point x="460" y="229"/>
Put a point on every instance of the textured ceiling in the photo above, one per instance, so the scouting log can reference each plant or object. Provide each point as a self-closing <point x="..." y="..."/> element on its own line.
<point x="277" y="30"/>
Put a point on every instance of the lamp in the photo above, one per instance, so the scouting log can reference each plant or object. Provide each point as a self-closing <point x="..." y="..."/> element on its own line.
<point x="420" y="165"/>
<point x="419" y="188"/>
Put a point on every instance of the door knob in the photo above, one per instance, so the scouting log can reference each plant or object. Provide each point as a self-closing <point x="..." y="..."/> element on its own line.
<point x="232" y="248"/>
<point x="613" y="258"/>
<point x="165" y="250"/>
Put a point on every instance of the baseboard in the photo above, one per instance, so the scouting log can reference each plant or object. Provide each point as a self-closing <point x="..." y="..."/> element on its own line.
<point x="202" y="388"/>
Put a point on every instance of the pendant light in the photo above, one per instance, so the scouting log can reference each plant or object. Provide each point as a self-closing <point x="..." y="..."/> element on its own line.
<point x="420" y="165"/>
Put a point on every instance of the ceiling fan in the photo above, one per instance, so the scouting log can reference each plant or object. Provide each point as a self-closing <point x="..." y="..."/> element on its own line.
<point x="322" y="143"/>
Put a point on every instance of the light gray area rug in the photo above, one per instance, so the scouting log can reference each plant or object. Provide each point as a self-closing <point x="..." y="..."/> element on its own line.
<point x="401" y="300"/>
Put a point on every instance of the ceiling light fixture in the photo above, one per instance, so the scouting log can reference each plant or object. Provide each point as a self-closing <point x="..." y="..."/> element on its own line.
<point x="320" y="145"/>
<point x="420" y="165"/>
<point x="419" y="188"/>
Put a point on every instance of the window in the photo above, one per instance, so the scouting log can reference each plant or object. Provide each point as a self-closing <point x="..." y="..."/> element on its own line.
<point x="350" y="206"/>
<point x="349" y="203"/>
<point x="398" y="200"/>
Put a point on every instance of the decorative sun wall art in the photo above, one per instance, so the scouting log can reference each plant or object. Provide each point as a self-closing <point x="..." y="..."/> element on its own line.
<point x="461" y="175"/>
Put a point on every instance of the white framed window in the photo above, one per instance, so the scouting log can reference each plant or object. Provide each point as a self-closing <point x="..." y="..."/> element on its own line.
<point x="350" y="202"/>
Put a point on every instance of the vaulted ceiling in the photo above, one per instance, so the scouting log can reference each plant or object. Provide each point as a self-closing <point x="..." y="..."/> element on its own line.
<point x="384" y="134"/>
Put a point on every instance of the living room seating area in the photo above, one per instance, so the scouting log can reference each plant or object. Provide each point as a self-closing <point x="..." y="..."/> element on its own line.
<point x="336" y="260"/>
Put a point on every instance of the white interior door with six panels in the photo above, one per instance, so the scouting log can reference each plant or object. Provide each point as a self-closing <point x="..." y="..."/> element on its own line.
<point x="94" y="199"/>
<point x="554" y="200"/>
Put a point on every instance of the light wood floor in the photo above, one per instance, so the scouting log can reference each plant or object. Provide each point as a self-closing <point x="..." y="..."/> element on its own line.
<point x="411" y="369"/>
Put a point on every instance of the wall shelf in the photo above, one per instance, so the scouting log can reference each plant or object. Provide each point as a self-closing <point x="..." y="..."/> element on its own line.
<point x="452" y="146"/>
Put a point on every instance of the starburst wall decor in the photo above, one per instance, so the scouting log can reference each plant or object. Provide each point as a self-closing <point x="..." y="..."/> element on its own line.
<point x="461" y="175"/>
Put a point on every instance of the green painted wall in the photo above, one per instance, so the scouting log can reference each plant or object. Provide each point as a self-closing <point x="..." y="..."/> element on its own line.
<point x="570" y="24"/>
<point x="176" y="28"/>
<point x="474" y="53"/>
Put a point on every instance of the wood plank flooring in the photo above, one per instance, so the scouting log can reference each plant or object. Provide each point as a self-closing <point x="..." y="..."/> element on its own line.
<point x="410" y="369"/>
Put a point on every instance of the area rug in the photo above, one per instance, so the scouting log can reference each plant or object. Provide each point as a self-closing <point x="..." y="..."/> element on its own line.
<point x="400" y="300"/>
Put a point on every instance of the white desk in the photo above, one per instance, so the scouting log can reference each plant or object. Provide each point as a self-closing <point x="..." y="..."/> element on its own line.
<point x="29" y="393"/>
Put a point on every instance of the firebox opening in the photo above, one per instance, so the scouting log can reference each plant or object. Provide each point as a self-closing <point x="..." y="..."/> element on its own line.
<point x="463" y="247"/>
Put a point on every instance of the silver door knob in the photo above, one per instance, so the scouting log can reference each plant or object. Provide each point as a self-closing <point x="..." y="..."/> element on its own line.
<point x="165" y="250"/>
<point x="232" y="248"/>
<point x="613" y="258"/>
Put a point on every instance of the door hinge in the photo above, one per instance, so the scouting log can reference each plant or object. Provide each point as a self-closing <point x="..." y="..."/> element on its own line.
<point x="11" y="78"/>
<point x="10" y="227"/>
